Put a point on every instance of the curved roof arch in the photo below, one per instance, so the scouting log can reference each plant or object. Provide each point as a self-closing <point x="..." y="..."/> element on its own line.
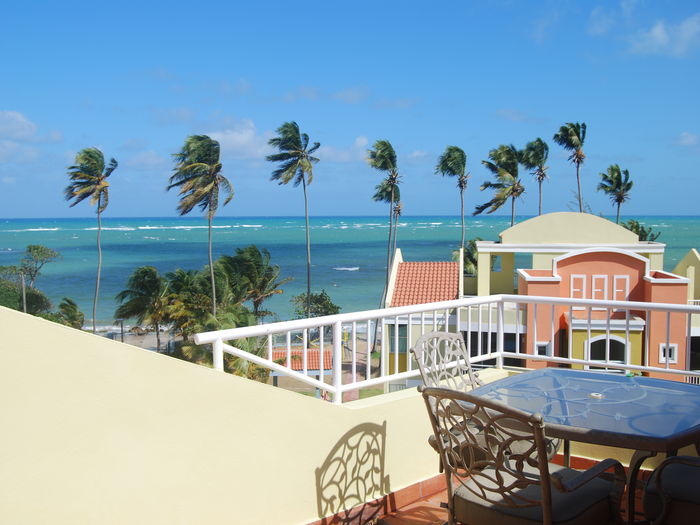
<point x="569" y="228"/>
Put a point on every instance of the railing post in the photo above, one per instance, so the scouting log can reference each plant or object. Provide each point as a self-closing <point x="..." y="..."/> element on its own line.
<point x="218" y="354"/>
<point x="337" y="362"/>
<point x="499" y="335"/>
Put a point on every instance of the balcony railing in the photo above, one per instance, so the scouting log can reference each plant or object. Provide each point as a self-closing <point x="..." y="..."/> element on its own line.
<point x="368" y="349"/>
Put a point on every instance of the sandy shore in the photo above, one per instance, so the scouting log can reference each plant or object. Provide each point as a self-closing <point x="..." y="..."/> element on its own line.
<point x="146" y="340"/>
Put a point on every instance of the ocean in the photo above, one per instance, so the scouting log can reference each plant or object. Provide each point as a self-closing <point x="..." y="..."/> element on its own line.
<point x="348" y="254"/>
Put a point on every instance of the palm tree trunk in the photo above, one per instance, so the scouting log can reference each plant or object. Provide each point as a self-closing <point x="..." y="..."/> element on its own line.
<point x="211" y="269"/>
<point x="308" y="250"/>
<point x="461" y="207"/>
<point x="617" y="220"/>
<point x="157" y="327"/>
<point x="578" y="182"/>
<point x="389" y="255"/>
<point x="99" y="264"/>
<point x="396" y="231"/>
<point x="512" y="211"/>
<point x="540" y="183"/>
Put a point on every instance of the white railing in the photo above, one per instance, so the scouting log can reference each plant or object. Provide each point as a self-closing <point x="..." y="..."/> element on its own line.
<point x="365" y="349"/>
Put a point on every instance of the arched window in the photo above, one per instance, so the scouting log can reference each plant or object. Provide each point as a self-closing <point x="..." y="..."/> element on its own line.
<point x="618" y="348"/>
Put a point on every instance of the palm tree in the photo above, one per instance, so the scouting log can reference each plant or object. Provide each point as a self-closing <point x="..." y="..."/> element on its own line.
<point x="453" y="163"/>
<point x="383" y="193"/>
<point x="146" y="299"/>
<point x="188" y="302"/>
<point x="398" y="210"/>
<point x="383" y="158"/>
<point x="197" y="174"/>
<point x="296" y="166"/>
<point x="88" y="179"/>
<point x="504" y="165"/>
<point x="571" y="137"/>
<point x="251" y="266"/>
<point x="617" y="185"/>
<point x="70" y="313"/>
<point x="534" y="157"/>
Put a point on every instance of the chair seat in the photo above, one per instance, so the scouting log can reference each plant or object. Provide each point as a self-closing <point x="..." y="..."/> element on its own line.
<point x="586" y="505"/>
<point x="680" y="482"/>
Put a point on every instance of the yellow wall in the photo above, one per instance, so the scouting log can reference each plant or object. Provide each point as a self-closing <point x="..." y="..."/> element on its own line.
<point x="579" y="338"/>
<point x="504" y="280"/>
<point x="95" y="431"/>
<point x="690" y="264"/>
<point x="567" y="227"/>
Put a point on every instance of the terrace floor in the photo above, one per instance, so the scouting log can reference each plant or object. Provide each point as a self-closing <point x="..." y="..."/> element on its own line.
<point x="428" y="510"/>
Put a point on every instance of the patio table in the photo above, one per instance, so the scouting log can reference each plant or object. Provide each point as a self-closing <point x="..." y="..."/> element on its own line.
<point x="643" y="414"/>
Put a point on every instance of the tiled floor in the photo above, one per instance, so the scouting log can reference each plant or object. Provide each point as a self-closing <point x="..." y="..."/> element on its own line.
<point x="429" y="512"/>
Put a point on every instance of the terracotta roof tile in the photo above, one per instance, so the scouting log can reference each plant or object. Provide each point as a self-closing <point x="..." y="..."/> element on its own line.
<point x="297" y="361"/>
<point x="425" y="282"/>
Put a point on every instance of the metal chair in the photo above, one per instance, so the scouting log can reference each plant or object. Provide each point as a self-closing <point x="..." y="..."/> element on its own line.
<point x="443" y="361"/>
<point x="671" y="495"/>
<point x="500" y="474"/>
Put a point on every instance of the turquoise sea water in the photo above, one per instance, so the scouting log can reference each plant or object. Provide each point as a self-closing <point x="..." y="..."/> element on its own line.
<point x="348" y="254"/>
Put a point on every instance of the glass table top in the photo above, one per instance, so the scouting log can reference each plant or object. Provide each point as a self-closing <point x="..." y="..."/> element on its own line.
<point x="635" y="407"/>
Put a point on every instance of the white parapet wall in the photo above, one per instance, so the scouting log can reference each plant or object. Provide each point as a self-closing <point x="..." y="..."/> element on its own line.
<point x="96" y="431"/>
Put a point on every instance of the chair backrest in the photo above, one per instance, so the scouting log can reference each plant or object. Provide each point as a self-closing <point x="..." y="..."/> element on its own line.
<point x="443" y="360"/>
<point x="496" y="452"/>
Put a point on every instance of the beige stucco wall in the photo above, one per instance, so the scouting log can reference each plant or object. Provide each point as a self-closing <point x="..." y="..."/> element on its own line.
<point x="567" y="227"/>
<point x="95" y="431"/>
<point x="689" y="267"/>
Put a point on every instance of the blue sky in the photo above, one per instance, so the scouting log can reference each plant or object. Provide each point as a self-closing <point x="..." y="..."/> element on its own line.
<point x="135" y="78"/>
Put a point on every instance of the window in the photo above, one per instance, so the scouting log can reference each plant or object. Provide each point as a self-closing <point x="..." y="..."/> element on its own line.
<point x="617" y="350"/>
<point x="578" y="286"/>
<point x="621" y="288"/>
<point x="599" y="287"/>
<point x="668" y="351"/>
<point x="543" y="349"/>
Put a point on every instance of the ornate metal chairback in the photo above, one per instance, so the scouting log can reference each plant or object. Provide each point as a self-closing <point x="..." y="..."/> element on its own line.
<point x="443" y="361"/>
<point x="494" y="451"/>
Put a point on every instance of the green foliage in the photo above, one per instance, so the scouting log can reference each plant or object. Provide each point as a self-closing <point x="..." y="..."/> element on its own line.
<point x="503" y="163"/>
<point x="70" y="314"/>
<point x="35" y="257"/>
<point x="145" y="299"/>
<point x="453" y="163"/>
<point x="253" y="277"/>
<point x="321" y="304"/>
<point x="88" y="179"/>
<point x="197" y="176"/>
<point x="616" y="184"/>
<point x="571" y="137"/>
<point x="37" y="302"/>
<point x="295" y="160"/>
<point x="9" y="294"/>
<point x="645" y="234"/>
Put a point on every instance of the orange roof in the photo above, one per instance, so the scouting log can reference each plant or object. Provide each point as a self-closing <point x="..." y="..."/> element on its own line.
<point x="297" y="361"/>
<point x="425" y="282"/>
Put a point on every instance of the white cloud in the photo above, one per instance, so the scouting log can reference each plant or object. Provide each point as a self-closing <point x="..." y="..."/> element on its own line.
<point x="302" y="93"/>
<point x="12" y="151"/>
<point x="355" y="153"/>
<point x="351" y="95"/>
<point x="668" y="39"/>
<point x="8" y="180"/>
<point x="515" y="115"/>
<point x="146" y="160"/>
<point x="243" y="141"/>
<point x="15" y="126"/>
<point x="688" y="139"/>
<point x="171" y="116"/>
<point x="628" y="7"/>
<point x="396" y="103"/>
<point x="417" y="154"/>
<point x="600" y="21"/>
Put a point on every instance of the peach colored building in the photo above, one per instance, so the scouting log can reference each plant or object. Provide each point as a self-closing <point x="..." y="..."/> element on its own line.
<point x="606" y="274"/>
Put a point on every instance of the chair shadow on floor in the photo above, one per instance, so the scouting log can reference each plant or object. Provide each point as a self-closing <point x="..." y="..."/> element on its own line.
<point x="351" y="482"/>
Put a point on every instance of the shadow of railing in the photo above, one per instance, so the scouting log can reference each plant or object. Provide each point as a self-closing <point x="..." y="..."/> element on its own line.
<point x="351" y="480"/>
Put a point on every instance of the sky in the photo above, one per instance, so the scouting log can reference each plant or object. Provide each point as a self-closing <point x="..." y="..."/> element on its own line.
<point x="136" y="78"/>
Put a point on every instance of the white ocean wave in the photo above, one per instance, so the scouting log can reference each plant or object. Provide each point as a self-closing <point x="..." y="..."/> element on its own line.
<point x="250" y="226"/>
<point x="347" y="268"/>
<point x="151" y="238"/>
<point x="33" y="230"/>
<point x="113" y="229"/>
